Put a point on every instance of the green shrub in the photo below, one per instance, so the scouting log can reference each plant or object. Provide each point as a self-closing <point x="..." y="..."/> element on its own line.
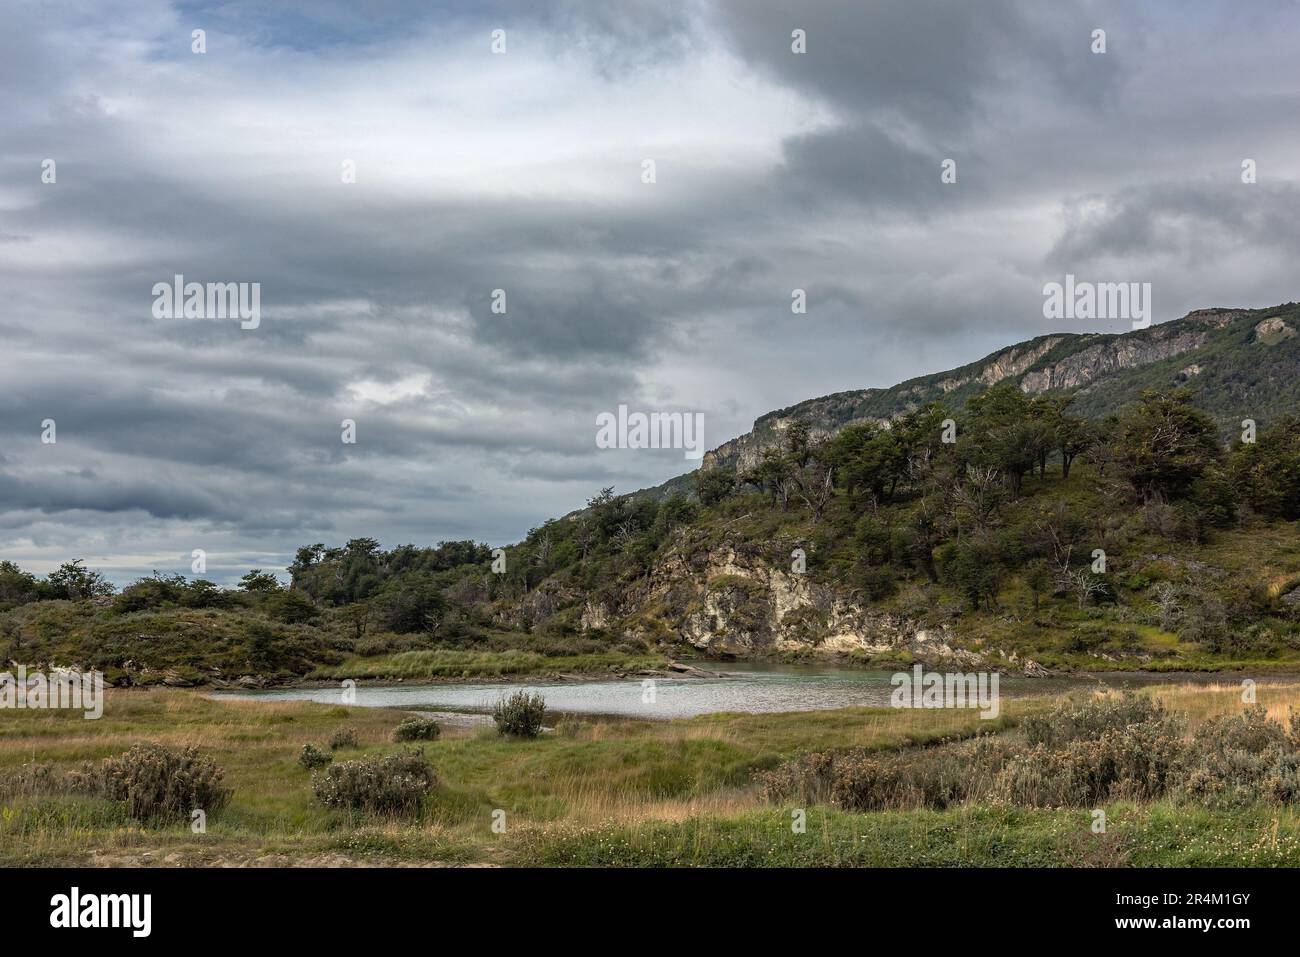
<point x="395" y="784"/>
<point x="417" y="728"/>
<point x="520" y="715"/>
<point x="313" y="757"/>
<point x="863" y="780"/>
<point x="1281" y="785"/>
<point x="925" y="778"/>
<point x="344" y="738"/>
<point x="1088" y="718"/>
<point x="1136" y="762"/>
<point x="158" y="782"/>
<point x="1240" y="759"/>
<point x="804" y="780"/>
<point x="1086" y="752"/>
<point x="1250" y="730"/>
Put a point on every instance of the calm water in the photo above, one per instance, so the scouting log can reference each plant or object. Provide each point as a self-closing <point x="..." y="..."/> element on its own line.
<point x="745" y="687"/>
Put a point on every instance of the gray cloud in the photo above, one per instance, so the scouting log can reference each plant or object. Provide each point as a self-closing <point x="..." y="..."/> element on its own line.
<point x="522" y="172"/>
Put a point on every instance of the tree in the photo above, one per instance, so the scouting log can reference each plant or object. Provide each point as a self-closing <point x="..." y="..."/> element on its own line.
<point x="1046" y="413"/>
<point x="259" y="582"/>
<point x="867" y="458"/>
<point x="202" y="593"/>
<point x="357" y="615"/>
<point x="1038" y="576"/>
<point x="1165" y="444"/>
<point x="713" y="485"/>
<point x="1165" y="597"/>
<point x="73" y="581"/>
<point x="411" y="602"/>
<point x="978" y="497"/>
<point x="292" y="607"/>
<point x="1014" y="448"/>
<point x="814" y="486"/>
<point x="798" y="442"/>
<point x="1004" y="434"/>
<point x="1086" y="584"/>
<point x="1074" y="436"/>
<point x="975" y="568"/>
<point x="774" y="474"/>
<point x="17" y="587"/>
<point x="1266" y="473"/>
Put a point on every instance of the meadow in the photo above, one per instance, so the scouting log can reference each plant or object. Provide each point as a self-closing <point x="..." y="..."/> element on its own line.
<point x="594" y="791"/>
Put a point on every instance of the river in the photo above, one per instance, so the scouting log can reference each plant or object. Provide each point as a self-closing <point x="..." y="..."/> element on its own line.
<point x="749" y="687"/>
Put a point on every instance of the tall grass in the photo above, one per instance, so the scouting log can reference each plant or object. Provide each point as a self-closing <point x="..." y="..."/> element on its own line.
<point x="596" y="790"/>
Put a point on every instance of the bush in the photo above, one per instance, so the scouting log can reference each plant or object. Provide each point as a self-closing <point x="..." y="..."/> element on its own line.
<point x="313" y="757"/>
<point x="805" y="780"/>
<point x="1239" y="759"/>
<point x="1086" y="752"/>
<point x="1136" y="762"/>
<point x="1088" y="718"/>
<point x="344" y="738"/>
<point x="395" y="784"/>
<point x="416" y="728"/>
<point x="928" y="778"/>
<point x="520" y="715"/>
<point x="158" y="782"/>
<point x="863" y="780"/>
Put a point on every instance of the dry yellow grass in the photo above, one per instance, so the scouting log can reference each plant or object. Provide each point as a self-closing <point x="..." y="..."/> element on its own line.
<point x="591" y="771"/>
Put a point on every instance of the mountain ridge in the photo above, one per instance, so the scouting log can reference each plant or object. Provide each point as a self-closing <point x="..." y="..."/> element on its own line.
<point x="1102" y="371"/>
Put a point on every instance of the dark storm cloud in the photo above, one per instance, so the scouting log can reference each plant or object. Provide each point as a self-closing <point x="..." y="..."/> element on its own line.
<point x="915" y="82"/>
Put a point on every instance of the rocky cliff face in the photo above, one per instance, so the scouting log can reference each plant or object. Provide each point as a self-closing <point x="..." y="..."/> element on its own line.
<point x="1082" y="368"/>
<point x="726" y="601"/>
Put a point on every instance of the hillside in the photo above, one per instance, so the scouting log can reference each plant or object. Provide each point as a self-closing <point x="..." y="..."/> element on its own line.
<point x="1076" y="502"/>
<point x="1238" y="361"/>
<point x="886" y="557"/>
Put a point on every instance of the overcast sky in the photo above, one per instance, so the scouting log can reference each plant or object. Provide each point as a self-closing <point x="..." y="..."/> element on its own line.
<point x="523" y="171"/>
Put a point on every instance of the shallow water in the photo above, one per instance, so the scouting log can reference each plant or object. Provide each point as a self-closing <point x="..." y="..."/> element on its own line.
<point x="748" y="687"/>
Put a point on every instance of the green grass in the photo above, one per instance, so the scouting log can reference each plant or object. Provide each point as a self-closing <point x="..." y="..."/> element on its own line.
<point x="595" y="791"/>
<point x="1158" y="835"/>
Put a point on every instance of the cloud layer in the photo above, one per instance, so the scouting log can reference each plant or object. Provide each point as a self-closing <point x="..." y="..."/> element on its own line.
<point x="522" y="171"/>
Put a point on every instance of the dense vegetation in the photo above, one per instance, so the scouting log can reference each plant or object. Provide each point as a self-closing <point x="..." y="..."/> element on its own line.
<point x="993" y="520"/>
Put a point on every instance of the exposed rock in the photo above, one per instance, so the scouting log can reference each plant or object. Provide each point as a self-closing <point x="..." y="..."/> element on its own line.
<point x="728" y="602"/>
<point x="1126" y="352"/>
<point x="677" y="667"/>
<point x="933" y="647"/>
<point x="1272" y="331"/>
<point x="594" y="615"/>
<point x="1034" y="670"/>
<point x="1016" y="360"/>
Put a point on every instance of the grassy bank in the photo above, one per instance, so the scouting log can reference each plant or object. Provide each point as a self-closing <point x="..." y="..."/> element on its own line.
<point x="593" y="792"/>
<point x="445" y="663"/>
